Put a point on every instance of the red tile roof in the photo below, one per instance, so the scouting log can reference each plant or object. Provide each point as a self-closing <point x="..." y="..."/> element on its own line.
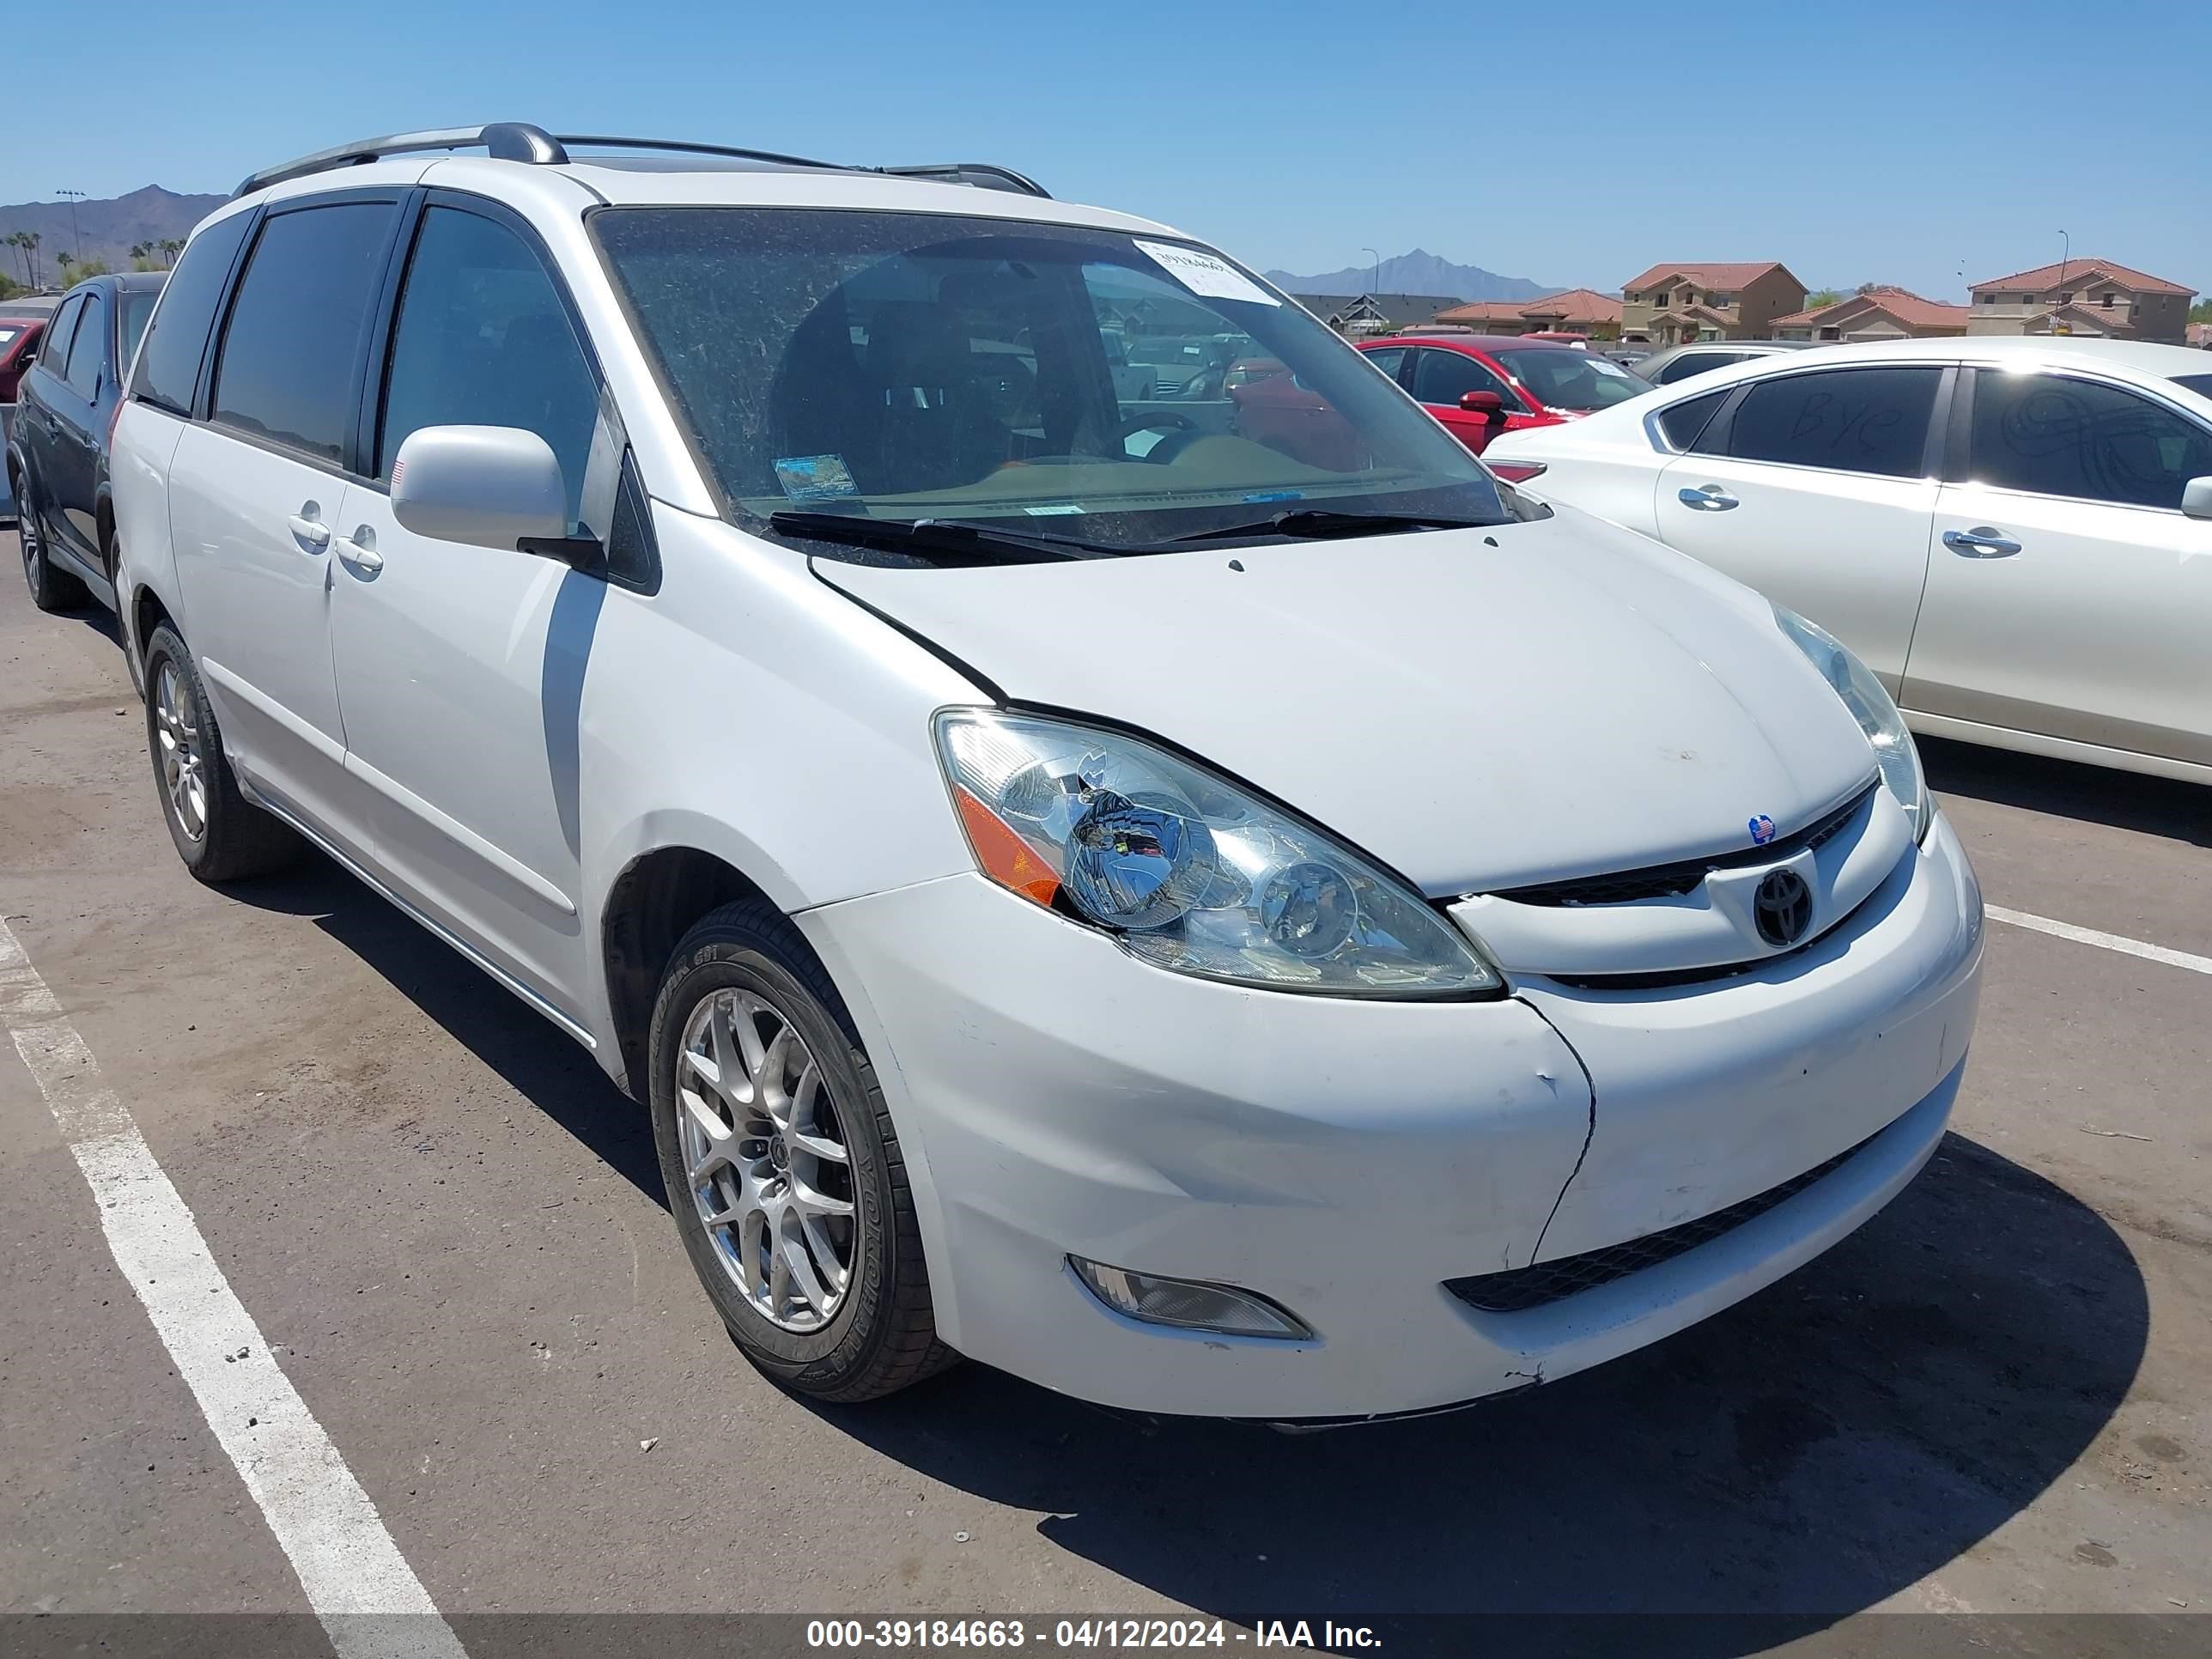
<point x="1727" y="278"/>
<point x="2080" y="272"/>
<point x="1578" y="305"/>
<point x="1902" y="303"/>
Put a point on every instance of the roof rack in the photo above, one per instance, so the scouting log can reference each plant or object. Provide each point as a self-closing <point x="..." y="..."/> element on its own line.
<point x="518" y="141"/>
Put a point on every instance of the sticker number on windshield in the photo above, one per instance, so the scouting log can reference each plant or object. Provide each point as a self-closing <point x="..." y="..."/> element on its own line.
<point x="1201" y="273"/>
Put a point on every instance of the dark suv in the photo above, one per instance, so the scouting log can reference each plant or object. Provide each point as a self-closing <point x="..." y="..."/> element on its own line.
<point x="57" y="451"/>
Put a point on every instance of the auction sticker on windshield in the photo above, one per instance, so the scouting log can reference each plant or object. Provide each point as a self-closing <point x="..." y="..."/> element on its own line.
<point x="815" y="477"/>
<point x="1201" y="273"/>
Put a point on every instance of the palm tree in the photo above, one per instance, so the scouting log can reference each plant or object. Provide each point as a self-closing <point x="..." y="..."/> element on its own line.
<point x="15" y="239"/>
<point x="171" y="247"/>
<point x="31" y="246"/>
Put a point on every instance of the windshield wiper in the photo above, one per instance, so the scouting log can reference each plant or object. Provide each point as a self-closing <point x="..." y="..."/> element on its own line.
<point x="1319" y="523"/>
<point x="989" y="542"/>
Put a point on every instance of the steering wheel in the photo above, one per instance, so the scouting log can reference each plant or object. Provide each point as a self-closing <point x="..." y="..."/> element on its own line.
<point x="1164" y="421"/>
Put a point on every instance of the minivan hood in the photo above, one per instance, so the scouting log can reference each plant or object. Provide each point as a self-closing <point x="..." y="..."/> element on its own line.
<point x="1480" y="709"/>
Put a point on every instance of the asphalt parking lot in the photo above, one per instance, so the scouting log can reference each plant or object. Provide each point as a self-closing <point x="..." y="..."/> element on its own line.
<point x="449" y="1226"/>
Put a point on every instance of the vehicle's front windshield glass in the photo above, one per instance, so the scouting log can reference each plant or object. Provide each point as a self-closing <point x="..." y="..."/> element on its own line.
<point x="1081" y="383"/>
<point x="1569" y="378"/>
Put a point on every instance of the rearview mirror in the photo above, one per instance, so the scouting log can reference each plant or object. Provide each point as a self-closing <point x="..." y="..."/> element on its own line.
<point x="2196" y="498"/>
<point x="488" y="486"/>
<point x="1486" y="404"/>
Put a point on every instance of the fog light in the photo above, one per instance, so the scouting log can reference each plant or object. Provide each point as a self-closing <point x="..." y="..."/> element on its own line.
<point x="1186" y="1304"/>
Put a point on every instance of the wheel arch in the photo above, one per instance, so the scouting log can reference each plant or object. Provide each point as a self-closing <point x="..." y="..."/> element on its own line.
<point x="663" y="887"/>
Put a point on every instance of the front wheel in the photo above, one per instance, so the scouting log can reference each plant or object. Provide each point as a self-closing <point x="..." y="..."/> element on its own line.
<point x="782" y="1165"/>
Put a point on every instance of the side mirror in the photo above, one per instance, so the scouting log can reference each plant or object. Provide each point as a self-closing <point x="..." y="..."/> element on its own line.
<point x="1488" y="405"/>
<point x="2196" y="498"/>
<point x="488" y="486"/>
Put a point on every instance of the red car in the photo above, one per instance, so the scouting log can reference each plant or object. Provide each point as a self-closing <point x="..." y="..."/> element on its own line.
<point x="1482" y="384"/>
<point x="19" y="343"/>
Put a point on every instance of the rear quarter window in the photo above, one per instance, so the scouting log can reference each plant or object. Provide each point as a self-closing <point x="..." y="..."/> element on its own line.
<point x="1683" y="423"/>
<point x="169" y="366"/>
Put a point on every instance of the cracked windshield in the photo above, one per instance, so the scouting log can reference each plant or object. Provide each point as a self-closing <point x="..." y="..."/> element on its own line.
<point x="1084" y="384"/>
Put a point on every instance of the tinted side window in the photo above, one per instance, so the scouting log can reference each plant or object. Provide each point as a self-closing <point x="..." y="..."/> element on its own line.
<point x="53" y="350"/>
<point x="1444" y="377"/>
<point x="1389" y="361"/>
<point x="483" y="340"/>
<point x="1683" y="422"/>
<point x="137" y="307"/>
<point x="1697" y="362"/>
<point x="2063" y="437"/>
<point x="1851" y="420"/>
<point x="87" y="350"/>
<point x="287" y="367"/>
<point x="170" y="366"/>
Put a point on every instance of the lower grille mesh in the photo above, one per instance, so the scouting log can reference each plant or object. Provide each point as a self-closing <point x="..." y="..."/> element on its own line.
<point x="1522" y="1288"/>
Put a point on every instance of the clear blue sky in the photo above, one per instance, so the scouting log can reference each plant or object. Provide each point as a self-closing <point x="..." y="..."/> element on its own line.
<point x="1571" y="143"/>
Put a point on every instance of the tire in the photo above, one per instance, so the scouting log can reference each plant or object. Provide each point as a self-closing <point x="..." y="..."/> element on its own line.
<point x="880" y="1334"/>
<point x="52" y="589"/>
<point x="235" y="838"/>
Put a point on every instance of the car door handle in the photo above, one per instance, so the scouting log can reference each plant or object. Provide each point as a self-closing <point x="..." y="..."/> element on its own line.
<point x="311" y="535"/>
<point x="1980" y="543"/>
<point x="359" y="550"/>
<point x="1711" y="499"/>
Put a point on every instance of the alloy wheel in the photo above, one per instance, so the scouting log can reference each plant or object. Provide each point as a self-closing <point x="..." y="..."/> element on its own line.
<point x="766" y="1158"/>
<point x="183" y="773"/>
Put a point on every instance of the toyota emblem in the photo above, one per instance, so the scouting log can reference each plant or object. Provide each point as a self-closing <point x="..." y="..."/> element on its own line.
<point x="1783" y="907"/>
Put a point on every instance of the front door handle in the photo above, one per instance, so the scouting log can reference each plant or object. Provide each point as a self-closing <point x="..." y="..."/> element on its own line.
<point x="359" y="550"/>
<point x="1710" y="499"/>
<point x="1980" y="543"/>
<point x="308" y="529"/>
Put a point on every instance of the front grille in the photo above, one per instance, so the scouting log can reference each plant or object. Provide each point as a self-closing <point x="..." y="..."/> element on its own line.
<point x="1674" y="880"/>
<point x="1523" y="1288"/>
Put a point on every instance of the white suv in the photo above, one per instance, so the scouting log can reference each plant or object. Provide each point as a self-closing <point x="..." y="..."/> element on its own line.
<point x="1277" y="927"/>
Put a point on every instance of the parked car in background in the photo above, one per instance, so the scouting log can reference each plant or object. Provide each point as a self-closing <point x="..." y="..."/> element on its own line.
<point x="1680" y="362"/>
<point x="643" y="575"/>
<point x="19" y="343"/>
<point x="1482" y="384"/>
<point x="58" y="452"/>
<point x="2015" y="534"/>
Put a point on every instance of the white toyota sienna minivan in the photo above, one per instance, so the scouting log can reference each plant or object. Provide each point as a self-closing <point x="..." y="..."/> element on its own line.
<point x="1105" y="840"/>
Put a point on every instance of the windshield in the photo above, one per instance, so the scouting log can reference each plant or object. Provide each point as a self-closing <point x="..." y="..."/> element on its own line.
<point x="903" y="365"/>
<point x="137" y="307"/>
<point x="2199" y="384"/>
<point x="1567" y="378"/>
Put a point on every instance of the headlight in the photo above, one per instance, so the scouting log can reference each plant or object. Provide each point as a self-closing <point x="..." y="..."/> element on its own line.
<point x="1187" y="872"/>
<point x="1877" y="715"/>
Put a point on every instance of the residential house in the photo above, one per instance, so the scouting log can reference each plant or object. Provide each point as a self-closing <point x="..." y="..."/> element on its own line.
<point x="1578" y="311"/>
<point x="2092" y="297"/>
<point x="1880" y="311"/>
<point x="1671" y="304"/>
<point x="1361" y="316"/>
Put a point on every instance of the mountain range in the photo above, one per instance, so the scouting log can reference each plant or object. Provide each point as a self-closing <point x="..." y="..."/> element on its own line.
<point x="1418" y="272"/>
<point x="101" y="230"/>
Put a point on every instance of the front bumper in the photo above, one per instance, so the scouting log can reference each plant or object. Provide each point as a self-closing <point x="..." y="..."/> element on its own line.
<point x="1346" y="1159"/>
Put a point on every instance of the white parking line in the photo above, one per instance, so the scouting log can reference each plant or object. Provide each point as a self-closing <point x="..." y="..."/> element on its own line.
<point x="2133" y="947"/>
<point x="359" y="1585"/>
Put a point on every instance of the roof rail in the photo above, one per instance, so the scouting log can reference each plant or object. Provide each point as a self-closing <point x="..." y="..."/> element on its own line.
<point x="986" y="174"/>
<point x="506" y="141"/>
<point x="518" y="141"/>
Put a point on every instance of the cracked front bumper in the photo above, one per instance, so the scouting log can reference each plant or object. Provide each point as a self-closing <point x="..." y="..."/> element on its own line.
<point x="1053" y="1096"/>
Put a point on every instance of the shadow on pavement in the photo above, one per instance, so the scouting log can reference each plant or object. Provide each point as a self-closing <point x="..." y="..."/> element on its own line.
<point x="540" y="1062"/>
<point x="2094" y="794"/>
<point x="1798" y="1458"/>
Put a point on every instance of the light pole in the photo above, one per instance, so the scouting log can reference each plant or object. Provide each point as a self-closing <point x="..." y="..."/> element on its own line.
<point x="1377" y="278"/>
<point x="76" y="236"/>
<point x="2065" y="253"/>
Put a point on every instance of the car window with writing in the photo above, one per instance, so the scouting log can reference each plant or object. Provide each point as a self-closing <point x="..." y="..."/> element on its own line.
<point x="1856" y="420"/>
